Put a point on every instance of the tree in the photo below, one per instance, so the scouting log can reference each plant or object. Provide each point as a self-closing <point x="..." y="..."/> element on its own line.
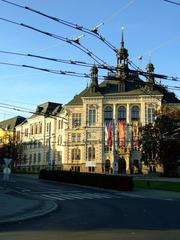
<point x="161" y="141"/>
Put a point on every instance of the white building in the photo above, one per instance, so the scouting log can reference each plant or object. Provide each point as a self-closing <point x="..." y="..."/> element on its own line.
<point x="36" y="139"/>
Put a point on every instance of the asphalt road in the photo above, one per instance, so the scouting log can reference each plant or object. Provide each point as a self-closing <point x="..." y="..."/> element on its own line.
<point x="86" y="213"/>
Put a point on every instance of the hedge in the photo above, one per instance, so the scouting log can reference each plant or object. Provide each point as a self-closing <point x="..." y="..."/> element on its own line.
<point x="116" y="182"/>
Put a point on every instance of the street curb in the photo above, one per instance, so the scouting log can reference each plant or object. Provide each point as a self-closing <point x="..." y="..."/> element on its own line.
<point x="48" y="208"/>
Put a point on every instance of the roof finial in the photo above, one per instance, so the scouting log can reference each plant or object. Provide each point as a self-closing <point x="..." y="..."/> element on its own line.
<point x="149" y="56"/>
<point x="122" y="37"/>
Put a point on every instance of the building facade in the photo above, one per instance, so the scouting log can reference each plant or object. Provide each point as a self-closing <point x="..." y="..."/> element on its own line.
<point x="36" y="139"/>
<point x="105" y="119"/>
<point x="8" y="138"/>
<point x="99" y="129"/>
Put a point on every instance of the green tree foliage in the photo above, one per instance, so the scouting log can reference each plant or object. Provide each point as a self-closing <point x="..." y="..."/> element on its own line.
<point x="161" y="141"/>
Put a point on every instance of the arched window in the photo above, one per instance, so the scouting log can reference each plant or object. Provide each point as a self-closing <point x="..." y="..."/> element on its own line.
<point x="108" y="113"/>
<point x="91" y="153"/>
<point x="135" y="113"/>
<point x="122" y="113"/>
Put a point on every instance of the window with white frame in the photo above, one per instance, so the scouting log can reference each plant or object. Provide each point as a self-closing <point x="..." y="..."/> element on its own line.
<point x="150" y="114"/>
<point x="76" y="120"/>
<point x="59" y="157"/>
<point x="26" y="132"/>
<point x="40" y="127"/>
<point x="76" y="137"/>
<point x="76" y="154"/>
<point x="91" y="153"/>
<point x="48" y="127"/>
<point x="135" y="112"/>
<point x="108" y="113"/>
<point x="39" y="157"/>
<point x="34" y="157"/>
<point x="121" y="113"/>
<point x="92" y="116"/>
<point x="59" y="141"/>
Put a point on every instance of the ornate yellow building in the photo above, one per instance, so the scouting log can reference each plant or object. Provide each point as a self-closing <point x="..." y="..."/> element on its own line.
<point x="99" y="129"/>
<point x="104" y="119"/>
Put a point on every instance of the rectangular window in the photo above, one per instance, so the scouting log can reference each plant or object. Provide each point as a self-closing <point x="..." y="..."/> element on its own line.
<point x="76" y="154"/>
<point x="92" y="116"/>
<point x="18" y="134"/>
<point x="40" y="127"/>
<point x="59" y="157"/>
<point x="26" y="132"/>
<point x="30" y="159"/>
<point x="151" y="115"/>
<point x="78" y="137"/>
<point x="31" y="129"/>
<point x="34" y="157"/>
<point x="76" y="120"/>
<point x="39" y="157"/>
<point x="73" y="137"/>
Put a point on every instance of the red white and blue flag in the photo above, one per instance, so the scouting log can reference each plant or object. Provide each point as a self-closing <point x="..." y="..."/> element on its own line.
<point x="108" y="133"/>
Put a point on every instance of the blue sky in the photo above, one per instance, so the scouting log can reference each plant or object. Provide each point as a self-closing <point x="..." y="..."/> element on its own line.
<point x="151" y="28"/>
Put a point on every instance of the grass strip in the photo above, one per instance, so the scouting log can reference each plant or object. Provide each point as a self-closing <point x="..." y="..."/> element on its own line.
<point x="160" y="185"/>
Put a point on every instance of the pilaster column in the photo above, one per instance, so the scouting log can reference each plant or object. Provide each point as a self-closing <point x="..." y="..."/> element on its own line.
<point x="114" y="112"/>
<point x="143" y="113"/>
<point x="128" y="114"/>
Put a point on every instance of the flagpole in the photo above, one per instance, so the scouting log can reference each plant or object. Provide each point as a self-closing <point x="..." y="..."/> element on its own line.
<point x="115" y="164"/>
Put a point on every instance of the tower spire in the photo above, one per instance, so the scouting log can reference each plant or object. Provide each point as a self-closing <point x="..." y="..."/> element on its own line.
<point x="122" y="59"/>
<point x="150" y="76"/>
<point x="122" y="37"/>
<point x="94" y="78"/>
<point x="122" y="52"/>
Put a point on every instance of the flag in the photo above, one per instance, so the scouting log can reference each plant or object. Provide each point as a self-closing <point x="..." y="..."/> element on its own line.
<point x="121" y="133"/>
<point x="135" y="137"/>
<point x="108" y="133"/>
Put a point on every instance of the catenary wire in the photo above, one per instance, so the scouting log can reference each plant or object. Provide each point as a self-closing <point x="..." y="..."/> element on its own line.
<point x="73" y="62"/>
<point x="54" y="71"/>
<point x="72" y="42"/>
<point x="172" y="2"/>
<point x="92" y="32"/>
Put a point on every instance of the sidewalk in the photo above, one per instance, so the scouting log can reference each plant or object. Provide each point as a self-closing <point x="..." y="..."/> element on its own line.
<point x="157" y="194"/>
<point x="16" y="207"/>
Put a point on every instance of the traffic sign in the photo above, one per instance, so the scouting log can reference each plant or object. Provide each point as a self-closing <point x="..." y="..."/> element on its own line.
<point x="7" y="161"/>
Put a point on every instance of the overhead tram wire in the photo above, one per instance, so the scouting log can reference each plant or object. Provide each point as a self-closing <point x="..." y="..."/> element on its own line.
<point x="172" y="2"/>
<point x="54" y="71"/>
<point x="145" y="74"/>
<point x="89" y="31"/>
<point x="73" y="42"/>
<point x="20" y="109"/>
<point x="73" y="62"/>
<point x="84" y="64"/>
<point x="92" y="31"/>
<point x="10" y="105"/>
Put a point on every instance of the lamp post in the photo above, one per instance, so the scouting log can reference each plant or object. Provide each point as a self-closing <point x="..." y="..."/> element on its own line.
<point x="49" y="149"/>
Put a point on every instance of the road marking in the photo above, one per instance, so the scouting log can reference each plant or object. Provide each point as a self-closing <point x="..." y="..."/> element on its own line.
<point x="79" y="196"/>
<point x="132" y="195"/>
<point x="23" y="189"/>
